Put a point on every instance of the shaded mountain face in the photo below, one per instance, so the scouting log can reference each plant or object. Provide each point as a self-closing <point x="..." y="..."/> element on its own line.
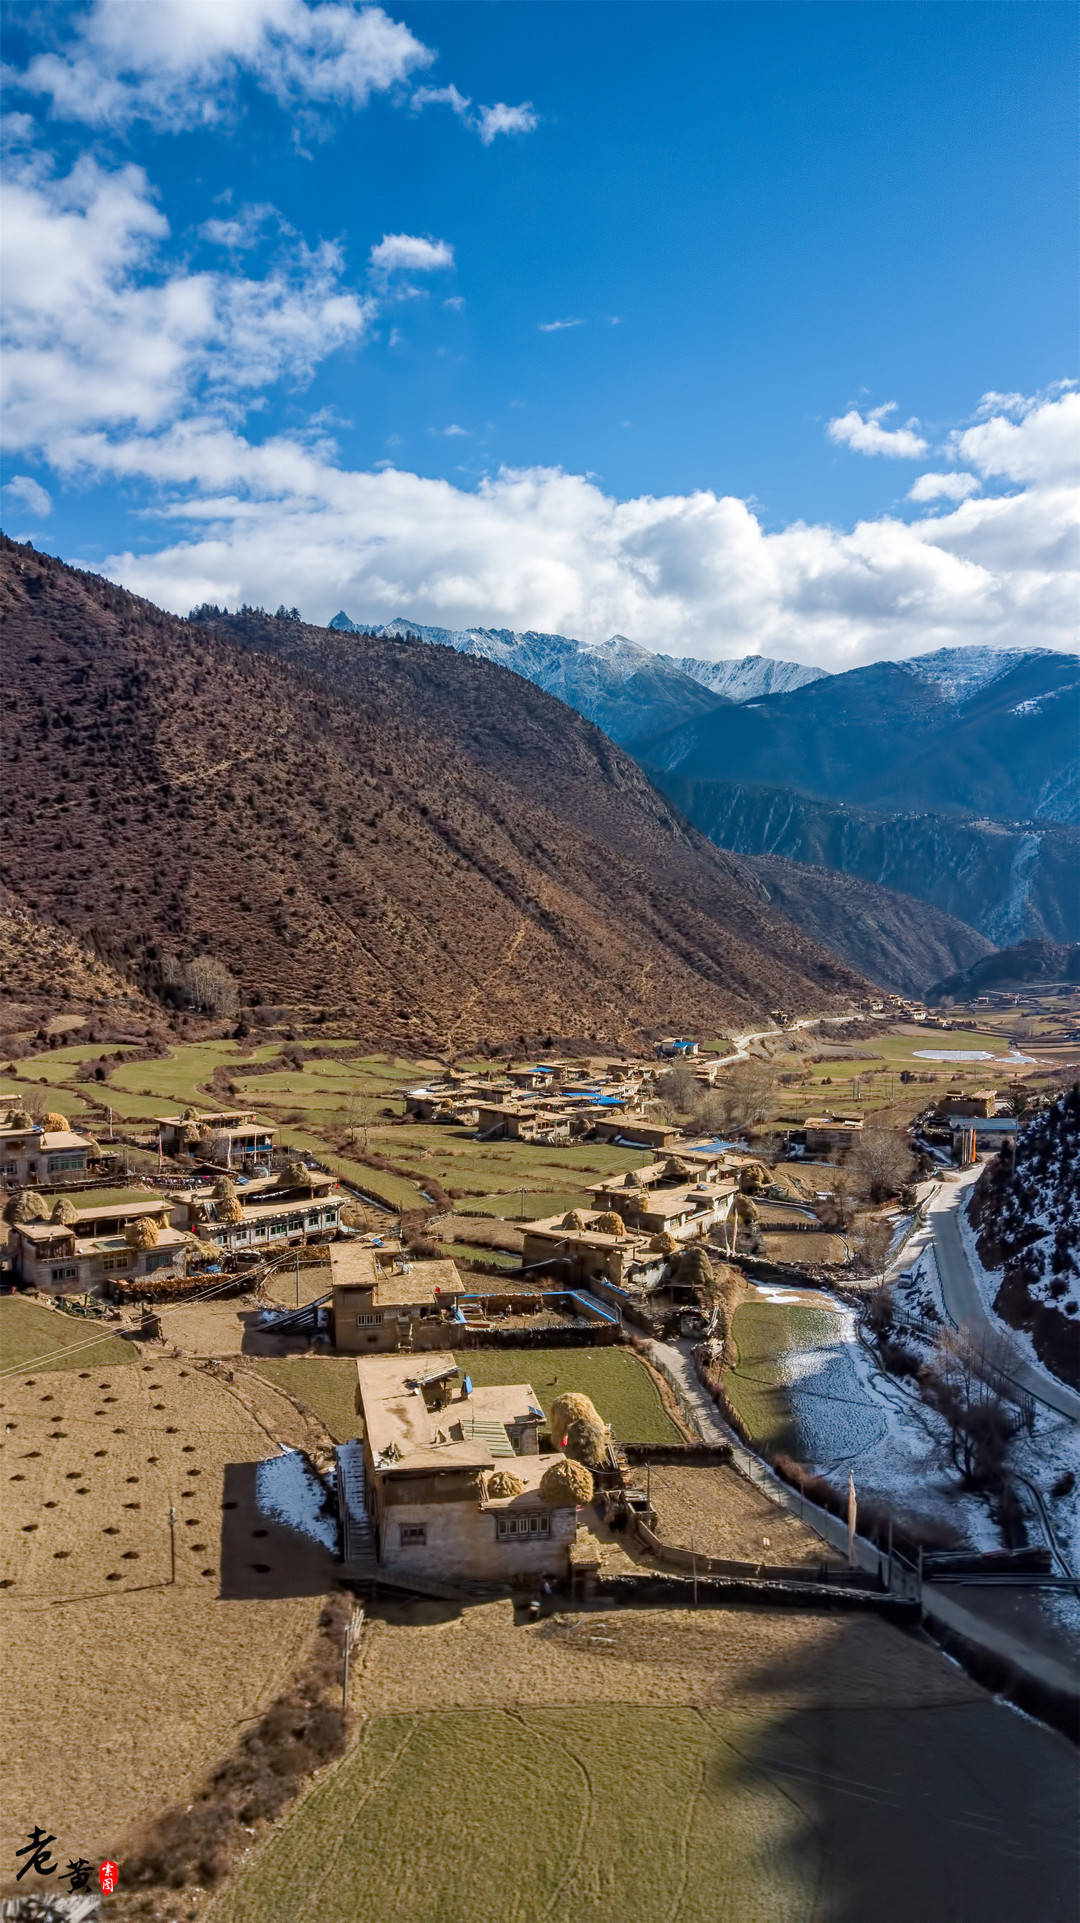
<point x="1027" y="964"/>
<point x="894" y="939"/>
<point x="998" y="734"/>
<point x="1025" y="1210"/>
<point x="1008" y="880"/>
<point x="372" y="825"/>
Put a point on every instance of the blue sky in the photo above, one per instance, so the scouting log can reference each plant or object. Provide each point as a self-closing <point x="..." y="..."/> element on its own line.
<point x="679" y="302"/>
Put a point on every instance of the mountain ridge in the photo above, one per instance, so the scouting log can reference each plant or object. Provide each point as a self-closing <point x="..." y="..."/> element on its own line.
<point x="397" y="830"/>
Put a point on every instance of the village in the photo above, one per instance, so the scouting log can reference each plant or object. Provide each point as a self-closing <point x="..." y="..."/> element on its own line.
<point x="521" y="1335"/>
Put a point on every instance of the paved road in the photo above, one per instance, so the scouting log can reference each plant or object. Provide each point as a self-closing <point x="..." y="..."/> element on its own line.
<point x="965" y="1306"/>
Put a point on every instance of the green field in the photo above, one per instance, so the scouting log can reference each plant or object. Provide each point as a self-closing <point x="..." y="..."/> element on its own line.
<point x="44" y="1339"/>
<point x="326" y="1383"/>
<point x="499" y="1258"/>
<point x="616" y="1813"/>
<point x="618" y="1383"/>
<point x="762" y="1332"/>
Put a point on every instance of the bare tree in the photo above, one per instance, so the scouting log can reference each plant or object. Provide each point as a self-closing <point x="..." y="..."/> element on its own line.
<point x="679" y="1088"/>
<point x="872" y="1237"/>
<point x="357" y="1115"/>
<point x="964" y="1383"/>
<point x="203" y="983"/>
<point x="744" y="1095"/>
<point x="881" y="1163"/>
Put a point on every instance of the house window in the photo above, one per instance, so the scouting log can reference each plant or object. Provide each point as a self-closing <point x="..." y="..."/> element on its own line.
<point x="412" y="1535"/>
<point x="368" y="1321"/>
<point x="112" y="1263"/>
<point x="507" y="1527"/>
<point x="64" y="1275"/>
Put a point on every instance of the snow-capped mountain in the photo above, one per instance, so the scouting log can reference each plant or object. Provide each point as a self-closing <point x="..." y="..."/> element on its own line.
<point x="959" y="673"/>
<point x="749" y="676"/>
<point x="629" y="691"/>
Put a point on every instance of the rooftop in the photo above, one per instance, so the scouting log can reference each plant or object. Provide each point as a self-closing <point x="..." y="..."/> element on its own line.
<point x="404" y="1434"/>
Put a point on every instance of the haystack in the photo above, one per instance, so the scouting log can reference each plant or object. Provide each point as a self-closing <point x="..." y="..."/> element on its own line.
<point x="65" y="1211"/>
<point x="586" y="1444"/>
<point x="745" y="1209"/>
<point x="575" y="1220"/>
<point x="676" y="1170"/>
<point x="54" y="1123"/>
<point x="294" y="1174"/>
<point x="566" y="1484"/>
<point x="503" y="1482"/>
<point x="20" y="1118"/>
<point x="142" y="1234"/>
<point x="191" y="1133"/>
<point x="694" y="1267"/>
<point x="608" y="1223"/>
<point x="662" y="1243"/>
<point x="188" y="1115"/>
<point x="227" y="1207"/>
<point x="572" y="1407"/>
<point x="29" y="1206"/>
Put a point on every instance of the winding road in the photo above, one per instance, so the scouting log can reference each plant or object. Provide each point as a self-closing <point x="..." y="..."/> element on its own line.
<point x="965" y="1305"/>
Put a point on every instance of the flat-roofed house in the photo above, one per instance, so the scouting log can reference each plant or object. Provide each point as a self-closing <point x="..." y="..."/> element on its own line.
<point x="682" y="1209"/>
<point x="387" y="1300"/>
<point x="271" y="1215"/>
<point x="84" y="1250"/>
<point x="453" y="1475"/>
<point x="237" y="1135"/>
<point x="590" y="1247"/>
<point x="34" y="1156"/>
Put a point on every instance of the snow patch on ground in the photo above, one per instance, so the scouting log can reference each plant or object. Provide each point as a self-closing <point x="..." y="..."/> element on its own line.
<point x="290" y="1491"/>
<point x="988" y="1282"/>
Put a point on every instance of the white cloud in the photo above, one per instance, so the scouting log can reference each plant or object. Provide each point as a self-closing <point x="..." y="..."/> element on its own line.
<point x="453" y="432"/>
<point x="23" y="487"/>
<point x="501" y="119"/>
<point x="1034" y="438"/>
<point x="864" y="434"/>
<point x="557" y="327"/>
<point x="410" y="253"/>
<point x="943" y="487"/>
<point x="544" y="549"/>
<point x="98" y="333"/>
<point x="242" y="230"/>
<point x="449" y="96"/>
<point x="455" y="303"/>
<point x="176" y="62"/>
<point x="485" y="121"/>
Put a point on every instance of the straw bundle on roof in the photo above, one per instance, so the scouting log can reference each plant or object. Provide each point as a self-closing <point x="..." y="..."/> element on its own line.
<point x="695" y="1268"/>
<point x="745" y="1209"/>
<point x="585" y="1444"/>
<point x="676" y="1170"/>
<point x="54" y="1123"/>
<point x="608" y="1223"/>
<point x="504" y="1483"/>
<point x="575" y="1220"/>
<point x="29" y="1207"/>
<point x="293" y="1174"/>
<point x="566" y="1484"/>
<point x="142" y="1234"/>
<point x="65" y="1211"/>
<point x="223" y="1186"/>
<point x="228" y="1208"/>
<point x="662" y="1243"/>
<point x="20" y="1118"/>
<point x="190" y="1133"/>
<point x="572" y="1407"/>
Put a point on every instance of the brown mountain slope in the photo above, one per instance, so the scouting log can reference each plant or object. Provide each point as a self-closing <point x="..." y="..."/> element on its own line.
<point x="435" y="844"/>
<point x="898" y="941"/>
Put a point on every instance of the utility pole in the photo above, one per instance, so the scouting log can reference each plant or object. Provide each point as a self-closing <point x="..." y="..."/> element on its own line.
<point x="172" y="1543"/>
<point x="693" y="1565"/>
<point x="298" y="1276"/>
<point x="521" y="1195"/>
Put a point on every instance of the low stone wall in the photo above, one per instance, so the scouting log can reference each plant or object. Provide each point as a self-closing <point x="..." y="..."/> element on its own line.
<point x="590" y="1335"/>
<point x="675" y="1455"/>
<point x="677" y="1592"/>
<point x="828" y="1575"/>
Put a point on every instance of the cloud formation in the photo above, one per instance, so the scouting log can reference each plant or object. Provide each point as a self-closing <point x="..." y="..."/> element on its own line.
<point x="123" y="364"/>
<point x="864" y="434"/>
<point x="23" y="487"/>
<point x="410" y="253"/>
<point x="943" y="487"/>
<point x="557" y="327"/>
<point x="175" y="63"/>
<point x="485" y="121"/>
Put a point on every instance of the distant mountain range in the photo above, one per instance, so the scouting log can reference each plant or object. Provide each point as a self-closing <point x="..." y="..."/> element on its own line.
<point x="1028" y="964"/>
<point x="953" y="778"/>
<point x="630" y="692"/>
<point x="966" y="730"/>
